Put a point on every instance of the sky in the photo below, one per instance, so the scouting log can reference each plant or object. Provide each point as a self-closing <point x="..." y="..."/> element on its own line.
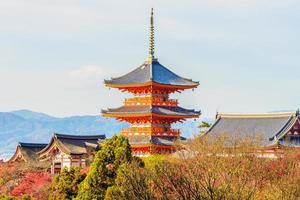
<point x="55" y="54"/>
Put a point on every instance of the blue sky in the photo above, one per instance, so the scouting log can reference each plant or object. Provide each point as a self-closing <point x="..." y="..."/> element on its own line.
<point x="55" y="54"/>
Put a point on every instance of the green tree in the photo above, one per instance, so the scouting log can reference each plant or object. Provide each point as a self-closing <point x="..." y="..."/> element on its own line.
<point x="113" y="153"/>
<point x="7" y="198"/>
<point x="65" y="185"/>
<point x="27" y="197"/>
<point x="132" y="182"/>
<point x="204" y="126"/>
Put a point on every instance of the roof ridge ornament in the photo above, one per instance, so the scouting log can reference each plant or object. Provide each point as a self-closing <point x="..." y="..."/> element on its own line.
<point x="151" y="39"/>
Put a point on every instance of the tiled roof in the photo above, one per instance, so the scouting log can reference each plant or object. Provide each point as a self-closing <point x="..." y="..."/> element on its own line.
<point x="28" y="150"/>
<point x="269" y="127"/>
<point x="163" y="110"/>
<point x="31" y="145"/>
<point x="149" y="72"/>
<point x="159" y="140"/>
<point x="74" y="144"/>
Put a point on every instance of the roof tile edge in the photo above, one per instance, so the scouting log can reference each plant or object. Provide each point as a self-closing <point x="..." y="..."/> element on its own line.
<point x="256" y="115"/>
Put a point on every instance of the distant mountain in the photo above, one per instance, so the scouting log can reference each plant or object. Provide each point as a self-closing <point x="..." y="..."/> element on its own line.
<point x="29" y="126"/>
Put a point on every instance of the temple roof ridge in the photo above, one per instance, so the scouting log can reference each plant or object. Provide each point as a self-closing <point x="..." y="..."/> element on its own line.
<point x="32" y="145"/>
<point x="72" y="144"/>
<point x="256" y="115"/>
<point x="270" y="127"/>
<point x="78" y="137"/>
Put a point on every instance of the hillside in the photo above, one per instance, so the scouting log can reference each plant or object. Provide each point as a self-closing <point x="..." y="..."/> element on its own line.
<point x="29" y="126"/>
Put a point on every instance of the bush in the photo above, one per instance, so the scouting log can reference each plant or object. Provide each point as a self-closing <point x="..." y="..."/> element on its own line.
<point x="12" y="174"/>
<point x="33" y="183"/>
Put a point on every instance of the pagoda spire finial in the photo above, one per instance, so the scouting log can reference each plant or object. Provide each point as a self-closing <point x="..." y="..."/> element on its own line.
<point x="151" y="38"/>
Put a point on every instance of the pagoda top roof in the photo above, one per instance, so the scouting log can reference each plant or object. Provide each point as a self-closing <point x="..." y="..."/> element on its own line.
<point x="151" y="72"/>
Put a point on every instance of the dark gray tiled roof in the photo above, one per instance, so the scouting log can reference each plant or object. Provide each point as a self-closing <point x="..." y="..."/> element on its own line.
<point x="32" y="145"/>
<point x="75" y="144"/>
<point x="159" y="140"/>
<point x="166" y="141"/>
<point x="268" y="127"/>
<point x="152" y="72"/>
<point x="163" y="110"/>
<point x="29" y="150"/>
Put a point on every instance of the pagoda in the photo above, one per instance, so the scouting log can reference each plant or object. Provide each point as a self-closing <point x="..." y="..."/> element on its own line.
<point x="151" y="112"/>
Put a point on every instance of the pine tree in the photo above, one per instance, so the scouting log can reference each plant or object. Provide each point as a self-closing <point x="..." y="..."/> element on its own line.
<point x="131" y="183"/>
<point x="113" y="153"/>
<point x="65" y="185"/>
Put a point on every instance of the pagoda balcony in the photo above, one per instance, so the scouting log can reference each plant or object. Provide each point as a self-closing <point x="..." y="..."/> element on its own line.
<point x="156" y="101"/>
<point x="157" y="131"/>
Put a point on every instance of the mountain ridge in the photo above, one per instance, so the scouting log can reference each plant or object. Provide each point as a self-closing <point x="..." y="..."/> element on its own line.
<point x="29" y="126"/>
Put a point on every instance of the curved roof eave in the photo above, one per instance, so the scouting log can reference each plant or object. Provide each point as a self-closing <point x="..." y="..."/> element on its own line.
<point x="154" y="72"/>
<point x="285" y="129"/>
<point x="14" y="156"/>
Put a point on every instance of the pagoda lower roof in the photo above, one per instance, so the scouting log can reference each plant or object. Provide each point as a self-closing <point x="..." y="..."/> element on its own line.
<point x="151" y="72"/>
<point x="150" y="110"/>
<point x="154" y="140"/>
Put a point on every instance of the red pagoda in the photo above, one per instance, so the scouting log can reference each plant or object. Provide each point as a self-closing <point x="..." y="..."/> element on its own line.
<point x="150" y="112"/>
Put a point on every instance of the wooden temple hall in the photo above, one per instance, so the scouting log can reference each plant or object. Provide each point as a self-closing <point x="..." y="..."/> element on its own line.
<point x="272" y="132"/>
<point x="62" y="151"/>
<point x="150" y="111"/>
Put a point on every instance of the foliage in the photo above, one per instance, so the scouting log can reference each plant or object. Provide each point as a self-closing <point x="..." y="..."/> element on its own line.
<point x="3" y="197"/>
<point x="129" y="184"/>
<point x="153" y="160"/>
<point x="207" y="169"/>
<point x="204" y="126"/>
<point x="12" y="174"/>
<point x="210" y="170"/>
<point x="34" y="184"/>
<point x="28" y="197"/>
<point x="113" y="153"/>
<point x="65" y="185"/>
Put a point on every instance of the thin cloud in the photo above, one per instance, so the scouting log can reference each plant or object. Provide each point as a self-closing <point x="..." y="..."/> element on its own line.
<point x="88" y="71"/>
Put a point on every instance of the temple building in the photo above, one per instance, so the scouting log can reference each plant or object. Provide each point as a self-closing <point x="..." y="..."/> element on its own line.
<point x="150" y="111"/>
<point x="26" y="152"/>
<point x="70" y="150"/>
<point x="272" y="131"/>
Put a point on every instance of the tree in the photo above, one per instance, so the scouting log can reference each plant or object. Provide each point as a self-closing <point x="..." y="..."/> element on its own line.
<point x="7" y="198"/>
<point x="131" y="183"/>
<point x="65" y="185"/>
<point x="113" y="153"/>
<point x="204" y="126"/>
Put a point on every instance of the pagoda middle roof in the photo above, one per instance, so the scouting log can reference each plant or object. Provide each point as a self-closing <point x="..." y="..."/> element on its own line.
<point x="161" y="110"/>
<point x="152" y="71"/>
